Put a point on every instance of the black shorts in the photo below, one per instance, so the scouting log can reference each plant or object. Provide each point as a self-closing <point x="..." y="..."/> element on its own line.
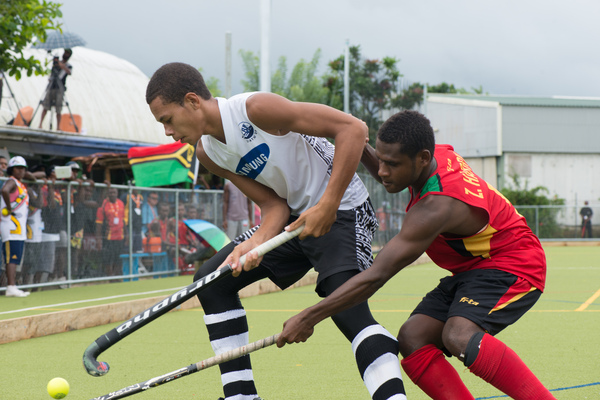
<point x="347" y="246"/>
<point x="490" y="298"/>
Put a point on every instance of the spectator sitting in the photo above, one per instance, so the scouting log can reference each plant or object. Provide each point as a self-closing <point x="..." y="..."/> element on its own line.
<point x="153" y="241"/>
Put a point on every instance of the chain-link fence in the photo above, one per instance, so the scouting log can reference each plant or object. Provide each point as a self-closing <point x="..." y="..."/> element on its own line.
<point x="566" y="222"/>
<point x="82" y="233"/>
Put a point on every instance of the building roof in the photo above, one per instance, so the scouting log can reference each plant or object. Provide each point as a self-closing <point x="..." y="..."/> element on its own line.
<point x="106" y="91"/>
<point x="531" y="101"/>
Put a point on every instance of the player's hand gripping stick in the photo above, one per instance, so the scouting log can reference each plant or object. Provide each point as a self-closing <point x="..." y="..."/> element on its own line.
<point x="104" y="342"/>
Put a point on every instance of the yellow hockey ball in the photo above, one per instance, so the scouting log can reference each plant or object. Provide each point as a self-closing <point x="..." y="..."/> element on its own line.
<point x="58" y="388"/>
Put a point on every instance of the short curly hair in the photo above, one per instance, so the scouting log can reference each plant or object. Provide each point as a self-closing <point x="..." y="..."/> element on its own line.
<point x="173" y="81"/>
<point x="411" y="129"/>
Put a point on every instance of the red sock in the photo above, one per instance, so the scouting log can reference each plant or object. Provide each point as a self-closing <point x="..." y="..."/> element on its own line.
<point x="429" y="370"/>
<point x="498" y="365"/>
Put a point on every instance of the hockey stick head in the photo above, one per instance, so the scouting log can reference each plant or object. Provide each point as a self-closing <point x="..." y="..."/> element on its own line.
<point x="91" y="365"/>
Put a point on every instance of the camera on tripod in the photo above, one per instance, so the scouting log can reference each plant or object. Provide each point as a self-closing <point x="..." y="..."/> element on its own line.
<point x="55" y="65"/>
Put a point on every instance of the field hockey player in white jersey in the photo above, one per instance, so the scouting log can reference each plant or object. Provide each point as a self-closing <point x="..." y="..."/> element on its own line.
<point x="276" y="151"/>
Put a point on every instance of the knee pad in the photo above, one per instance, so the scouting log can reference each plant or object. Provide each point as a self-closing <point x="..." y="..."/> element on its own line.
<point x="472" y="349"/>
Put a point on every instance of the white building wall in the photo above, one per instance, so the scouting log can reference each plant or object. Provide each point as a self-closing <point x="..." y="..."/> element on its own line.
<point x="573" y="177"/>
<point x="486" y="168"/>
<point x="472" y="127"/>
<point x="551" y="129"/>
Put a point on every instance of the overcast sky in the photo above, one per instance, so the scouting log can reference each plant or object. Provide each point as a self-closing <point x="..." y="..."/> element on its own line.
<point x="515" y="47"/>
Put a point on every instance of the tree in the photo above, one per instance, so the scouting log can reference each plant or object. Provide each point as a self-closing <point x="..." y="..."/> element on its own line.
<point x="301" y="85"/>
<point x="413" y="95"/>
<point x="373" y="86"/>
<point x="22" y="21"/>
<point x="545" y="217"/>
<point x="212" y="84"/>
<point x="410" y="97"/>
<point x="252" y="67"/>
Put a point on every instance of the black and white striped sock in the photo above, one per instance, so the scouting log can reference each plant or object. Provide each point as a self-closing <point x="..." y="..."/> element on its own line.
<point x="376" y="353"/>
<point x="229" y="330"/>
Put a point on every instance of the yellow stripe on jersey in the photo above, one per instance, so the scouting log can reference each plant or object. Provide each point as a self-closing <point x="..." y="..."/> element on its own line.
<point x="480" y="244"/>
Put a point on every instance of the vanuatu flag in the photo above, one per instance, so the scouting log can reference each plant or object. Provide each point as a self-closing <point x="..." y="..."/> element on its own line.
<point x="162" y="165"/>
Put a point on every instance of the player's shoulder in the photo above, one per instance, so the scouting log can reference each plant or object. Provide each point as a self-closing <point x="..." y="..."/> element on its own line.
<point x="263" y="101"/>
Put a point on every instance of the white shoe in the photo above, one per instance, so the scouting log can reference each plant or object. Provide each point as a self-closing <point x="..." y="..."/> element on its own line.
<point x="13" y="291"/>
<point x="62" y="279"/>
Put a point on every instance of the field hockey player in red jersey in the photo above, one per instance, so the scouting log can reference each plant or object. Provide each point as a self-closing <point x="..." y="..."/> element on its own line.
<point x="467" y="227"/>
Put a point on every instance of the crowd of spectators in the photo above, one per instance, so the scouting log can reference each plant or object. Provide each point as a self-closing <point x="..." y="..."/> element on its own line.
<point x="105" y="224"/>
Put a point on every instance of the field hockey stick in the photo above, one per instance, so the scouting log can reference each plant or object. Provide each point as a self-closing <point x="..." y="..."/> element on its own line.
<point x="190" y="369"/>
<point x="90" y="355"/>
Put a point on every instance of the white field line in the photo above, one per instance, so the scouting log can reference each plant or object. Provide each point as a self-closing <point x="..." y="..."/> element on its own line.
<point x="87" y="301"/>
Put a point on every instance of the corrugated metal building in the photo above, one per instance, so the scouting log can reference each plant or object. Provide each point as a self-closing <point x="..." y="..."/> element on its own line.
<point x="549" y="141"/>
<point x="106" y="91"/>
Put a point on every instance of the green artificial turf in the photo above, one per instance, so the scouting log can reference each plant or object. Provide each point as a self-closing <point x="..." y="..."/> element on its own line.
<point x="559" y="344"/>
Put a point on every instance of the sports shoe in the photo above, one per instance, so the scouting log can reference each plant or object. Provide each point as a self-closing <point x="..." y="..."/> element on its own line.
<point x="13" y="291"/>
<point x="256" y="398"/>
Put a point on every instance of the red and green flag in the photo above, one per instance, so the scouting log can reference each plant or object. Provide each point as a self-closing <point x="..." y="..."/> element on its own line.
<point x="163" y="165"/>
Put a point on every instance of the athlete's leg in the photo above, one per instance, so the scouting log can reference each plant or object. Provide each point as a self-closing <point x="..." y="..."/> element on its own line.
<point x="486" y="356"/>
<point x="375" y="349"/>
<point x="494" y="362"/>
<point x="227" y="326"/>
<point x="420" y="340"/>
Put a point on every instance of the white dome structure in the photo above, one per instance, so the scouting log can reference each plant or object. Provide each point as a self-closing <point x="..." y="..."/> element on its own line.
<point x="106" y="91"/>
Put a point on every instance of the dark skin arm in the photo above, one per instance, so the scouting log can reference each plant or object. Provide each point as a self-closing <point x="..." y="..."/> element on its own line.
<point x="429" y="218"/>
<point x="8" y="187"/>
<point x="370" y="161"/>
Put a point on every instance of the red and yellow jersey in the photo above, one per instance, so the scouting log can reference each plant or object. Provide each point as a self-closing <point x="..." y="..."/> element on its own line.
<point x="112" y="214"/>
<point x="506" y="243"/>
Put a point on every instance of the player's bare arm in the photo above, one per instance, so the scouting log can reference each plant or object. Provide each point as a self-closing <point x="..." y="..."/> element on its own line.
<point x="278" y="116"/>
<point x="429" y="218"/>
<point x="274" y="209"/>
<point x="8" y="187"/>
<point x="370" y="161"/>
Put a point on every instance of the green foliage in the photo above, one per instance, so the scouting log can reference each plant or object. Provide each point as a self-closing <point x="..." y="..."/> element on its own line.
<point x="410" y="97"/>
<point x="373" y="86"/>
<point x="212" y="84"/>
<point x="22" y="21"/>
<point x="542" y="220"/>
<point x="252" y="67"/>
<point x="301" y="85"/>
<point x="413" y="95"/>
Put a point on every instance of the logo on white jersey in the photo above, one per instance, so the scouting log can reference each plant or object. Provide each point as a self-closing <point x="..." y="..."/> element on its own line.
<point x="252" y="164"/>
<point x="247" y="131"/>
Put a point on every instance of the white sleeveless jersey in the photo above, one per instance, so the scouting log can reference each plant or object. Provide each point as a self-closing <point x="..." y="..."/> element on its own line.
<point x="35" y="226"/>
<point x="296" y="166"/>
<point x="14" y="226"/>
